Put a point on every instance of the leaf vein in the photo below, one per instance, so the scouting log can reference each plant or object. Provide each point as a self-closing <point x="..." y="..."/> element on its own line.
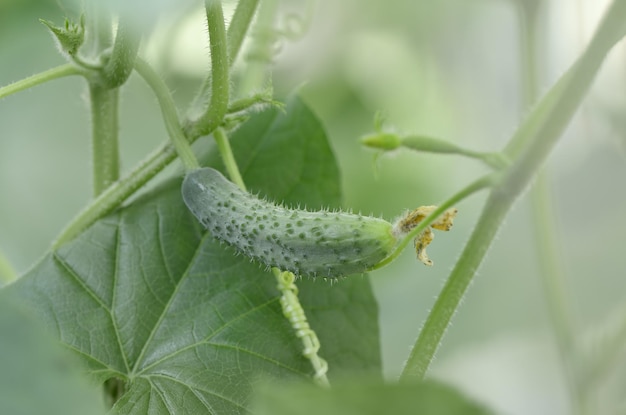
<point x="258" y="355"/>
<point x="196" y="387"/>
<point x="157" y="324"/>
<point x="115" y="285"/>
<point x="205" y="340"/>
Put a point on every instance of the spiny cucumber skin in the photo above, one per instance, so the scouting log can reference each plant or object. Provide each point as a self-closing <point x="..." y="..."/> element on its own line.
<point x="327" y="244"/>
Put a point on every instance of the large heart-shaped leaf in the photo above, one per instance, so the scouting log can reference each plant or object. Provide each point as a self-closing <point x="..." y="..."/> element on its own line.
<point x="147" y="297"/>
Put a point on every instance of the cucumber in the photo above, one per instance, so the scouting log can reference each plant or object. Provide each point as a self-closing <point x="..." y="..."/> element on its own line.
<point x="321" y="243"/>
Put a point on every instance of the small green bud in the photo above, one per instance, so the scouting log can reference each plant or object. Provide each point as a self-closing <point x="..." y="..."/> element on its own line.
<point x="70" y="37"/>
<point x="382" y="141"/>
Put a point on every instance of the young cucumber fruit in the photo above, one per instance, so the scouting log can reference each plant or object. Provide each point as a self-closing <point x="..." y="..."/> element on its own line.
<point x="327" y="244"/>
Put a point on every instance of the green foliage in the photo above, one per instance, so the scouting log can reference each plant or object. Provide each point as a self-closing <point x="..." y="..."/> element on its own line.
<point x="147" y="296"/>
<point x="168" y="320"/>
<point x="362" y="397"/>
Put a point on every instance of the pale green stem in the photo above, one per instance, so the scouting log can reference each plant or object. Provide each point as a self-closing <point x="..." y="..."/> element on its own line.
<point x="420" y="143"/>
<point x="237" y="30"/>
<point x="255" y="99"/>
<point x="239" y="25"/>
<point x="59" y="72"/>
<point x="389" y="141"/>
<point x="170" y="115"/>
<point x="227" y="156"/>
<point x="220" y="83"/>
<point x="551" y="267"/>
<point x="261" y="49"/>
<point x="605" y="349"/>
<point x="122" y="60"/>
<point x="103" y="102"/>
<point x="104" y="133"/>
<point x="530" y="146"/>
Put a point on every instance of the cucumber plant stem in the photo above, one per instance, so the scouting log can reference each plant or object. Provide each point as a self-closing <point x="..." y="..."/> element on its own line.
<point x="119" y="191"/>
<point x="61" y="71"/>
<point x="261" y="48"/>
<point x="238" y="27"/>
<point x="225" y="150"/>
<point x="220" y="80"/>
<point x="528" y="148"/>
<point x="122" y="59"/>
<point x="104" y="133"/>
<point x="170" y="115"/>
<point x="237" y="30"/>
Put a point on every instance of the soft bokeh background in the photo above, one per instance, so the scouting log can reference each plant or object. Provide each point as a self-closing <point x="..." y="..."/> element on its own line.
<point x="449" y="68"/>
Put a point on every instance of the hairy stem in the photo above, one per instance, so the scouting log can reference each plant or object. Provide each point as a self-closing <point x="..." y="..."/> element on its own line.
<point x="237" y="30"/>
<point x="551" y="268"/>
<point x="239" y="25"/>
<point x="220" y="95"/>
<point x="122" y="60"/>
<point x="59" y="72"/>
<point x="104" y="133"/>
<point x="261" y="49"/>
<point x="263" y="98"/>
<point x="170" y="115"/>
<point x="227" y="156"/>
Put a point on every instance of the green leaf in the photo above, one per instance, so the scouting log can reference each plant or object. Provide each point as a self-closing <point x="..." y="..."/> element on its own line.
<point x="365" y="398"/>
<point x="36" y="377"/>
<point x="146" y="296"/>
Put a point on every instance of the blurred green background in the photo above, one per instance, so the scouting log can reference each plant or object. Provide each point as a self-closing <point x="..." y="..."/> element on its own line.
<point x="450" y="69"/>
